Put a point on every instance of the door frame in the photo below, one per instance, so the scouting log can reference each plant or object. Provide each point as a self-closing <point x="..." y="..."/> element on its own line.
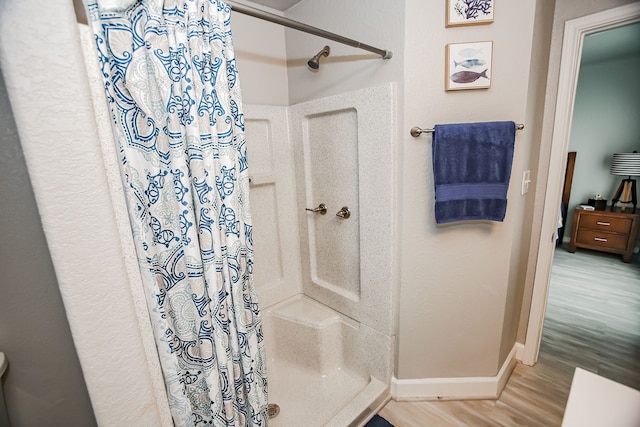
<point x="574" y="32"/>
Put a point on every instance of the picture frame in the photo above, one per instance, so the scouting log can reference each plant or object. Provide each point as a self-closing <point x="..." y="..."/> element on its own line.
<point x="468" y="65"/>
<point x="468" y="12"/>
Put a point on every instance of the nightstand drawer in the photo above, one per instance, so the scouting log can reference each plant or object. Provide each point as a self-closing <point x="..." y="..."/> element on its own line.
<point x="606" y="240"/>
<point x="613" y="232"/>
<point x="606" y="223"/>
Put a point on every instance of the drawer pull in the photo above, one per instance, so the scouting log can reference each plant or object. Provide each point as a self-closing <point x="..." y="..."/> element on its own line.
<point x="599" y="239"/>
<point x="603" y="223"/>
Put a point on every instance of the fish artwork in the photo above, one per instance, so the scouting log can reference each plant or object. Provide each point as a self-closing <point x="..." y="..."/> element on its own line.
<point x="469" y="63"/>
<point x="469" y="52"/>
<point x="467" y="76"/>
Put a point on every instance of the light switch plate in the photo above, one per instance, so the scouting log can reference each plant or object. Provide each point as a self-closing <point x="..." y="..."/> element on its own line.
<point x="526" y="180"/>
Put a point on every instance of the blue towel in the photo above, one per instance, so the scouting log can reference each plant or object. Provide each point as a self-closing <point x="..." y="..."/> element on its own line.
<point x="378" y="421"/>
<point x="471" y="168"/>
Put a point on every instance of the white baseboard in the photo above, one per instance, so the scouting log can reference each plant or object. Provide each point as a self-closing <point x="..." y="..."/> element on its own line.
<point x="457" y="388"/>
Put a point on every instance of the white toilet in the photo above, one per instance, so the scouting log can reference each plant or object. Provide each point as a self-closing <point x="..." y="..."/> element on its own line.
<point x="4" y="416"/>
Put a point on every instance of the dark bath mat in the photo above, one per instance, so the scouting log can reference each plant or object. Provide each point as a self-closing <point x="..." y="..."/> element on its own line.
<point x="378" y="421"/>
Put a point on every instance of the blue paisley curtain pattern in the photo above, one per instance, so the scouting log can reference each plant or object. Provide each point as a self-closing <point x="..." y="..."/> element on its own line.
<point x="172" y="85"/>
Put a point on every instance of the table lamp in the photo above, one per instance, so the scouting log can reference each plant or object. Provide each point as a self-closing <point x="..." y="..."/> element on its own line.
<point x="626" y="164"/>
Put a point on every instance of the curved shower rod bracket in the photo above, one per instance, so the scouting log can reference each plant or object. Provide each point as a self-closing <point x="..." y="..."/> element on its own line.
<point x="260" y="14"/>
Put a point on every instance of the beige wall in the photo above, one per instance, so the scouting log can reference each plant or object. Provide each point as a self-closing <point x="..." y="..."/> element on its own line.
<point x="535" y="110"/>
<point x="261" y="59"/>
<point x="377" y="23"/>
<point x="456" y="281"/>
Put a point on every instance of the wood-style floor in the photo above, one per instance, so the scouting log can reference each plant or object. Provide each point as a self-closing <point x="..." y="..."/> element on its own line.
<point x="592" y="321"/>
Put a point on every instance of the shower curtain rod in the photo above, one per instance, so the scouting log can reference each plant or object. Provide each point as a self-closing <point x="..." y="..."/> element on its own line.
<point x="257" y="13"/>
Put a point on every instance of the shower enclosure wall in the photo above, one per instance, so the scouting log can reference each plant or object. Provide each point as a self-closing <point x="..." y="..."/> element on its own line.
<point x="325" y="281"/>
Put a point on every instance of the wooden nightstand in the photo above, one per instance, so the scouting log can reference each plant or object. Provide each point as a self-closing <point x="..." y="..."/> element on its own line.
<point x="606" y="231"/>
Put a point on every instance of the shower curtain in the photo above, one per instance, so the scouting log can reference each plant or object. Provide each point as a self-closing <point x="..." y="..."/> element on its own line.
<point x="172" y="85"/>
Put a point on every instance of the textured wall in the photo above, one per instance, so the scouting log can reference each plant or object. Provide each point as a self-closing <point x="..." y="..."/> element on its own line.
<point x="54" y="117"/>
<point x="44" y="383"/>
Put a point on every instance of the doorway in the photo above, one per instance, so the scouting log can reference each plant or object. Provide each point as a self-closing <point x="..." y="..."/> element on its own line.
<point x="575" y="31"/>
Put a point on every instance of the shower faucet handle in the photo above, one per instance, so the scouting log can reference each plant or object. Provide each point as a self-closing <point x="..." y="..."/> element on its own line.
<point x="344" y="213"/>
<point x="321" y="209"/>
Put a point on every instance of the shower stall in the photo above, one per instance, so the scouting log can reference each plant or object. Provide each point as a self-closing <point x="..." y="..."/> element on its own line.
<point x="325" y="282"/>
<point x="321" y="194"/>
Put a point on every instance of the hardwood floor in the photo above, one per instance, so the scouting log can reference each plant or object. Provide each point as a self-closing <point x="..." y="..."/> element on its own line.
<point x="592" y="321"/>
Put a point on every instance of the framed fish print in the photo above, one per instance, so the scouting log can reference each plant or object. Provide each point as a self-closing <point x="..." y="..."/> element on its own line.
<point x="468" y="65"/>
<point x="469" y="12"/>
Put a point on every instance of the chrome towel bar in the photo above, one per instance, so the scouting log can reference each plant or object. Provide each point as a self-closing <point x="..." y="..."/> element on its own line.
<point x="416" y="131"/>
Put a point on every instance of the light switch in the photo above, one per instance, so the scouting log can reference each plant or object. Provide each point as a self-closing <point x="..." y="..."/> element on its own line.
<point x="526" y="179"/>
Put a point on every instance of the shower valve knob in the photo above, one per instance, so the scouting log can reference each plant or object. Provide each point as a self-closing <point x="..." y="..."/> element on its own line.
<point x="344" y="213"/>
<point x="321" y="209"/>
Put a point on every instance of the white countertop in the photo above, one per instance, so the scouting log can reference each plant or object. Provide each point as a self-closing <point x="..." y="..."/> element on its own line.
<point x="595" y="401"/>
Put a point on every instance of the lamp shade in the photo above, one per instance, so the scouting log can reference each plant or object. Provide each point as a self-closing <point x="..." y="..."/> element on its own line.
<point x="626" y="164"/>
